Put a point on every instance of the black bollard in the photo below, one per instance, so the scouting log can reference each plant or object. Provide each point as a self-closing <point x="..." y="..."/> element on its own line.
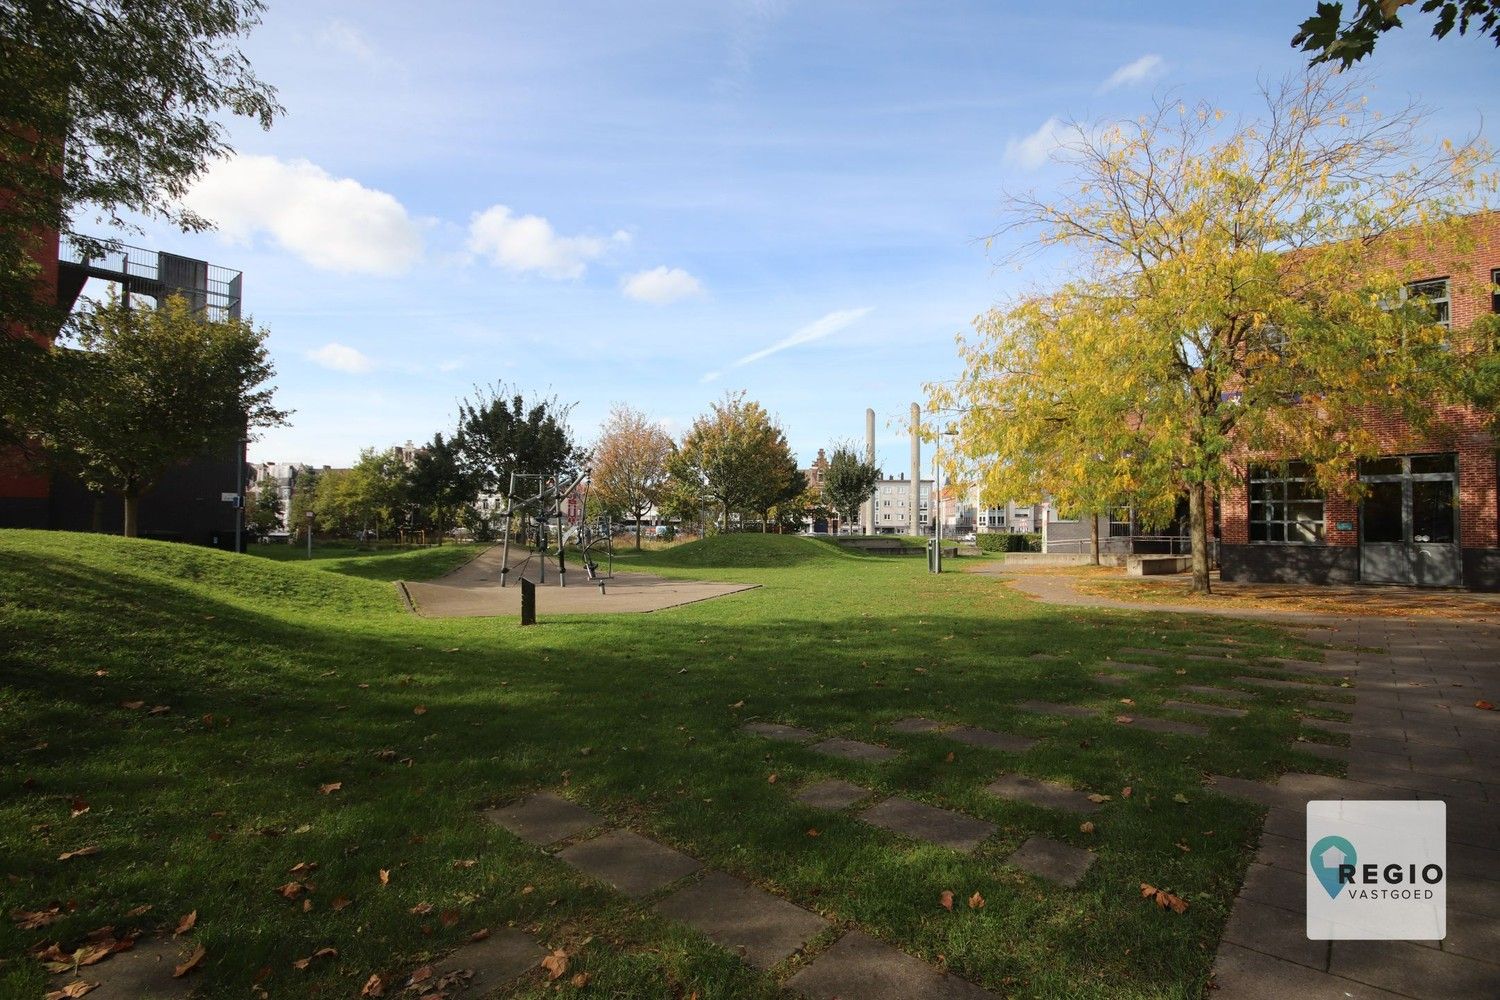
<point x="528" y="602"/>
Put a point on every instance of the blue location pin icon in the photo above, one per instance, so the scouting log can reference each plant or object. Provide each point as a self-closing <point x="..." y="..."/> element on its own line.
<point x="1325" y="857"/>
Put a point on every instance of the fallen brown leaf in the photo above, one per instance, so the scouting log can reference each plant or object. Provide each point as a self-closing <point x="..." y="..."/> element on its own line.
<point x="948" y="759"/>
<point x="1087" y="826"/>
<point x="449" y="918"/>
<point x="1096" y="798"/>
<point x="465" y="863"/>
<point x="976" y="902"/>
<point x="945" y="899"/>
<point x="291" y="890"/>
<point x="480" y="935"/>
<point x="1487" y="706"/>
<point x="421" y="909"/>
<point x="1124" y="720"/>
<point x="1125" y="792"/>
<point x="79" y="808"/>
<point x="134" y="706"/>
<point x="331" y="787"/>
<point x="419" y="710"/>
<point x="82" y="852"/>
<point x="556" y="963"/>
<point x="580" y="980"/>
<point x="385" y="876"/>
<point x="76" y="988"/>
<point x="339" y="902"/>
<point x="30" y="920"/>
<point x="374" y="986"/>
<point x="771" y="780"/>
<point x="812" y="831"/>
<point x="186" y="924"/>
<point x="160" y="710"/>
<point x="190" y="963"/>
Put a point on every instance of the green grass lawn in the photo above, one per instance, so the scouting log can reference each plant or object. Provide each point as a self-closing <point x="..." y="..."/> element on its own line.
<point x="281" y="677"/>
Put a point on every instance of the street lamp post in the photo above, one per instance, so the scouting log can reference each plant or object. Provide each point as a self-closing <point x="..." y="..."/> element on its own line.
<point x="309" y="533"/>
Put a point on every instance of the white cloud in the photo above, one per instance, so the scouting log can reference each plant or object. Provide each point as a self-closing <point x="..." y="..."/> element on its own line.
<point x="334" y="223"/>
<point x="1147" y="67"/>
<point x="661" y="285"/>
<point x="529" y="243"/>
<point x="344" y="37"/>
<point x="816" y="330"/>
<point x="1033" y="150"/>
<point x="341" y="358"/>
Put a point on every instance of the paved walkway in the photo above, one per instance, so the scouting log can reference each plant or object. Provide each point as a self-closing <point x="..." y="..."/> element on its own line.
<point x="473" y="591"/>
<point x="1415" y="733"/>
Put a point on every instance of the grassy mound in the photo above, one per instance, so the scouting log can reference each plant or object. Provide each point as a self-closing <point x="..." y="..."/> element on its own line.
<point x="749" y="551"/>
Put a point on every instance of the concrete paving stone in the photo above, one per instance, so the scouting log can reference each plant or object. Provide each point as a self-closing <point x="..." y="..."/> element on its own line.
<point x="976" y="737"/>
<point x="943" y="827"/>
<point x="143" y="971"/>
<point x="1403" y="967"/>
<point x="916" y="725"/>
<point x="1473" y="896"/>
<point x="777" y="731"/>
<point x="1219" y="711"/>
<point x="1047" y="794"/>
<point x="629" y="862"/>
<point x="1113" y="680"/>
<point x="1052" y="860"/>
<point x="831" y="793"/>
<point x="495" y="961"/>
<point x="1473" y="936"/>
<point x="1331" y="706"/>
<point x="1272" y="930"/>
<point x="1285" y="685"/>
<point x="760" y="928"/>
<point x="1053" y="708"/>
<point x="1381" y="773"/>
<point x="1329" y="726"/>
<point x="846" y="749"/>
<point x="1468" y="862"/>
<point x="1166" y="726"/>
<point x="858" y="967"/>
<point x="1288" y="823"/>
<point x="1131" y="668"/>
<point x="1281" y="852"/>
<point x="543" y="818"/>
<point x="1224" y="694"/>
<point x="1286" y="890"/>
<point x="1242" y="974"/>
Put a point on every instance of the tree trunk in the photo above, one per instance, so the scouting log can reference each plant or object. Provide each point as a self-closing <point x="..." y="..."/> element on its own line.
<point x="726" y="517"/>
<point x="637" y="529"/>
<point x="1093" y="539"/>
<point x="131" y="503"/>
<point x="1198" y="529"/>
<point x="96" y="524"/>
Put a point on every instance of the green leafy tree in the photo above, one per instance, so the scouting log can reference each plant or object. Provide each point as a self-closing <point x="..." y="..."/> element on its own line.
<point x="499" y="432"/>
<point x="304" y="484"/>
<point x="113" y="107"/>
<point x="1245" y="294"/>
<point x="848" y="481"/>
<point x="377" y="490"/>
<point x="79" y="135"/>
<point x="682" y="501"/>
<point x="629" y="465"/>
<point x="735" y="458"/>
<point x="1332" y="39"/>
<point x="265" y="516"/>
<point x="153" y="388"/>
<point x="439" y="484"/>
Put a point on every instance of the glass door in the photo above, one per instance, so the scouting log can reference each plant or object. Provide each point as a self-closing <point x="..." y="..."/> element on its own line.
<point x="1409" y="521"/>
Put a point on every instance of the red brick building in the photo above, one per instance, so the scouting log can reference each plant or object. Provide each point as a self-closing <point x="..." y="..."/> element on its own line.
<point x="1430" y="515"/>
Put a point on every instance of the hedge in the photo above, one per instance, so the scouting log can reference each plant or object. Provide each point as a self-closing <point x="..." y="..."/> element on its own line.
<point x="1007" y="541"/>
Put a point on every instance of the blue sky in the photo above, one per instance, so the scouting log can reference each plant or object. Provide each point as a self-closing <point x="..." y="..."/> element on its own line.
<point x="657" y="202"/>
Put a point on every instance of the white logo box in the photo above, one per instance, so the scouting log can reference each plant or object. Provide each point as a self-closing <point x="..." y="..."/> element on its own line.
<point x="1403" y="845"/>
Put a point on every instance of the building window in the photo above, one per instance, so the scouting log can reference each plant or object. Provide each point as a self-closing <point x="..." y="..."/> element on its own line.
<point x="1286" y="505"/>
<point x="1434" y="294"/>
<point x="1495" y="290"/>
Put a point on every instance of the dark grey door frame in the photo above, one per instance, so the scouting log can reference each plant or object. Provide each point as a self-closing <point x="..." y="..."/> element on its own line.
<point x="1412" y="561"/>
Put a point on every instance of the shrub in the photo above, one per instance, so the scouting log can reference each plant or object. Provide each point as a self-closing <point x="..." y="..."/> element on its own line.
<point x="1009" y="542"/>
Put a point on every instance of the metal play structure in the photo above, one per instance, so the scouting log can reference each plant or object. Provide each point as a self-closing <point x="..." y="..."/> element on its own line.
<point x="549" y="507"/>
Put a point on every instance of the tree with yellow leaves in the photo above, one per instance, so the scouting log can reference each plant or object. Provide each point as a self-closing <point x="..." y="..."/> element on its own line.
<point x="1242" y="288"/>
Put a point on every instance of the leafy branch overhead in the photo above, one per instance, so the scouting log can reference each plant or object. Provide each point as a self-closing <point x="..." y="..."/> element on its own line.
<point x="1331" y="39"/>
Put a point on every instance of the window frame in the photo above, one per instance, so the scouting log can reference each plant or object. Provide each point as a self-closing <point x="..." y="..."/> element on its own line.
<point x="1445" y="301"/>
<point x="1278" y="477"/>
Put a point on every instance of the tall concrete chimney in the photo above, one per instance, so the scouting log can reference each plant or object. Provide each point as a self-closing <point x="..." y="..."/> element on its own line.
<point x="916" y="469"/>
<point x="869" y="525"/>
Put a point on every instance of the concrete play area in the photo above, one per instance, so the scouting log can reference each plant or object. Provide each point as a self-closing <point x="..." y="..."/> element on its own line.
<point x="473" y="591"/>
